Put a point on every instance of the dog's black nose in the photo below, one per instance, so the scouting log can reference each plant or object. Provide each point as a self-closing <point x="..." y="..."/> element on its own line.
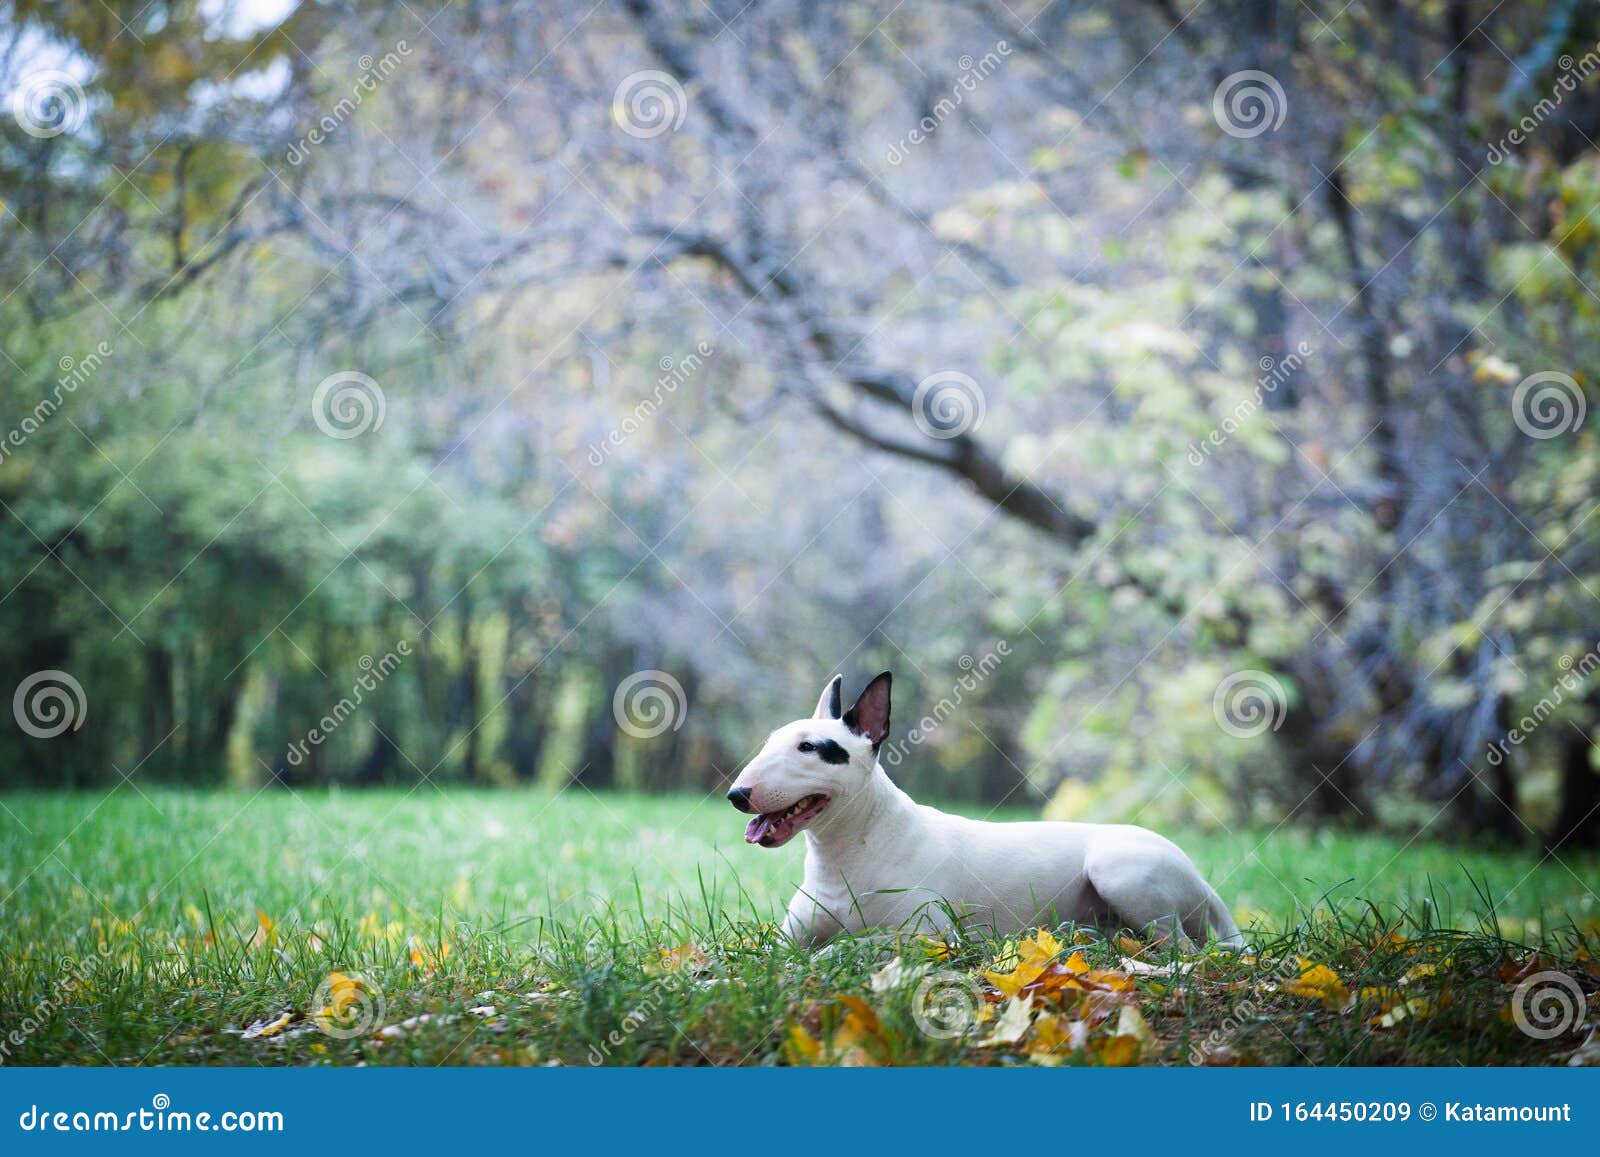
<point x="740" y="798"/>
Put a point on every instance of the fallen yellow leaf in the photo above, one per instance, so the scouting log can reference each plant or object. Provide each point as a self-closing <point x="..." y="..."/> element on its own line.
<point x="1013" y="1023"/>
<point x="1116" y="1051"/>
<point x="428" y="959"/>
<point x="1319" y="982"/>
<point x="804" y="1049"/>
<point x="1054" y="1037"/>
<point x="1131" y="1023"/>
<point x="269" y="1026"/>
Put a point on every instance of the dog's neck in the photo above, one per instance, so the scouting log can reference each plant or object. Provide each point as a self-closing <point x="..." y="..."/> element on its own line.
<point x="879" y="813"/>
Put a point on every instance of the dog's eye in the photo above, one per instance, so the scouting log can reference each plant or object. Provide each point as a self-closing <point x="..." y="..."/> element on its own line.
<point x="808" y="747"/>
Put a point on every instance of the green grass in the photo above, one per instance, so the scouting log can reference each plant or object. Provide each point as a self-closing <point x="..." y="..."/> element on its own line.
<point x="131" y="935"/>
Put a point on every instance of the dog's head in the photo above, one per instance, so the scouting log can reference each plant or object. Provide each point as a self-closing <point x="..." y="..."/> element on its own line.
<point x="809" y="765"/>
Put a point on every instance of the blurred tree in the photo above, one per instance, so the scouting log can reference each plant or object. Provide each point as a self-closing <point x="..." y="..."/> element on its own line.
<point x="749" y="344"/>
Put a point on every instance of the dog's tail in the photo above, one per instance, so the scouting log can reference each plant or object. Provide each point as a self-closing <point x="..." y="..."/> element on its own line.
<point x="1221" y="921"/>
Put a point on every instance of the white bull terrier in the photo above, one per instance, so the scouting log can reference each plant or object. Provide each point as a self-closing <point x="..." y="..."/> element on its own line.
<point x="876" y="859"/>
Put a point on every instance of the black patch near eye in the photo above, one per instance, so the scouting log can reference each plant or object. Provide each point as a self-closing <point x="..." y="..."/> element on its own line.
<point x="831" y="752"/>
<point x="806" y="747"/>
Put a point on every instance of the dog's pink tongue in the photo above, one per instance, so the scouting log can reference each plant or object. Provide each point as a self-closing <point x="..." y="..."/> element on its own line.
<point x="756" y="829"/>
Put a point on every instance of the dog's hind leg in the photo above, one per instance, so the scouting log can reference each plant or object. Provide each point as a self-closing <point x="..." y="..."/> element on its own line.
<point x="1151" y="885"/>
<point x="1221" y="921"/>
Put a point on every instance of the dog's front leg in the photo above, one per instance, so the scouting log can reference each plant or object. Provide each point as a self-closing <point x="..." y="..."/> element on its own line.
<point x="808" y="922"/>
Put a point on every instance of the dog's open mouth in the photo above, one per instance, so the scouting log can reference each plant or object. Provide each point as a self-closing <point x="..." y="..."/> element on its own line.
<point x="774" y="829"/>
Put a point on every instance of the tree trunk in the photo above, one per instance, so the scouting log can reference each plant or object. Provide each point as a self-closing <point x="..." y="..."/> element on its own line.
<point x="1578" y="822"/>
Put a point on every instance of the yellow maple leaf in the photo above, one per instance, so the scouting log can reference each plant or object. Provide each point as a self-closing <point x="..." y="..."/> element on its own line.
<point x="1043" y="943"/>
<point x="1131" y="1023"/>
<point x="669" y="960"/>
<point x="1116" y="1051"/>
<point x="1398" y="1010"/>
<point x="1055" y="1037"/>
<point x="937" y="949"/>
<point x="1012" y="1024"/>
<point x="804" y="1049"/>
<point x="1319" y="982"/>
<point x="343" y="991"/>
<point x="426" y="958"/>
<point x="270" y="1026"/>
<point x="858" y="1040"/>
<point x="1033" y="956"/>
<point x="1428" y="969"/>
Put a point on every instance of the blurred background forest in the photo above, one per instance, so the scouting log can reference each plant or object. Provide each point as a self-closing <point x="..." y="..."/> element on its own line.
<point x="1193" y="406"/>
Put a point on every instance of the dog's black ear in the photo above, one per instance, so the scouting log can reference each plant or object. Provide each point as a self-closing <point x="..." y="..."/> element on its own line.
<point x="830" y="706"/>
<point x="870" y="716"/>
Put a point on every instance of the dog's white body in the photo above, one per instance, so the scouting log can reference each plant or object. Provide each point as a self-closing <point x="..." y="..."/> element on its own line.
<point x="877" y="859"/>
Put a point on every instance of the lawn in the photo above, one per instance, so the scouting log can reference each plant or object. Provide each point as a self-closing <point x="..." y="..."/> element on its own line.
<point x="460" y="927"/>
